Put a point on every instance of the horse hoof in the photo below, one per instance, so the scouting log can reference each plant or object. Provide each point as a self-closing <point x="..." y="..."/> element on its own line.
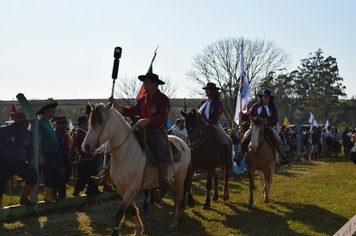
<point x="226" y="198"/>
<point x="249" y="207"/>
<point x="266" y="201"/>
<point x="181" y="218"/>
<point x="206" y="207"/>
<point x="215" y="198"/>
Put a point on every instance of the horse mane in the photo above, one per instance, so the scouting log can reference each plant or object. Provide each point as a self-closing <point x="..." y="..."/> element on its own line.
<point x="96" y="117"/>
<point x="192" y="119"/>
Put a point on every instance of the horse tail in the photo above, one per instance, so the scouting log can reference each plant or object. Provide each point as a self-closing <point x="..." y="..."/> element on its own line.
<point x="187" y="183"/>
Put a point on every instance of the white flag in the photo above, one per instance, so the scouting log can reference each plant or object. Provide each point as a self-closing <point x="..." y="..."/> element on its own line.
<point x="244" y="94"/>
<point x="311" y="118"/>
<point x="315" y="123"/>
<point x="327" y="124"/>
<point x="71" y="126"/>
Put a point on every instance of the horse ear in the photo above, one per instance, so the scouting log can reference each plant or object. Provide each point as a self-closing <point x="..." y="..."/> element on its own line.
<point x="107" y="107"/>
<point x="92" y="105"/>
<point x="194" y="112"/>
<point x="182" y="113"/>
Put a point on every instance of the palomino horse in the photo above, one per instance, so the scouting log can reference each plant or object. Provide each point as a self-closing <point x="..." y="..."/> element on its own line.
<point x="129" y="168"/>
<point x="260" y="157"/>
<point x="206" y="155"/>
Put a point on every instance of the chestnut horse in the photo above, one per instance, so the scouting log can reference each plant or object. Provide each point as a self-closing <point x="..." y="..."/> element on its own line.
<point x="260" y="157"/>
<point x="129" y="170"/>
<point x="206" y="155"/>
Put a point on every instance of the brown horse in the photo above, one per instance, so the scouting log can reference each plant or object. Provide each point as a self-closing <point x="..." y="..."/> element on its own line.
<point x="205" y="150"/>
<point x="260" y="157"/>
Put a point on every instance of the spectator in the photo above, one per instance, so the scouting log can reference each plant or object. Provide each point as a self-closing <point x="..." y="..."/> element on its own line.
<point x="329" y="141"/>
<point x="323" y="138"/>
<point x="346" y="141"/>
<point x="293" y="141"/>
<point x="315" y="143"/>
<point x="86" y="165"/>
<point x="50" y="160"/>
<point x="306" y="142"/>
<point x="64" y="142"/>
<point x="16" y="151"/>
<point x="179" y="130"/>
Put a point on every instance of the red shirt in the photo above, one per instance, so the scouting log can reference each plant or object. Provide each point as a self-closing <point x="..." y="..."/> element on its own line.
<point x="159" y="107"/>
<point x="79" y="138"/>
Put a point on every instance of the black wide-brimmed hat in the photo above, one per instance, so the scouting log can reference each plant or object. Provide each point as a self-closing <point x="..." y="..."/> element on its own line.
<point x="46" y="107"/>
<point x="81" y="119"/>
<point x="61" y="119"/>
<point x="19" y="117"/>
<point x="152" y="77"/>
<point x="266" y="92"/>
<point x="210" y="85"/>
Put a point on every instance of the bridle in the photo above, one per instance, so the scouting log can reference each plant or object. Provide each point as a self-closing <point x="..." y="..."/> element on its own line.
<point x="101" y="132"/>
<point x="201" y="138"/>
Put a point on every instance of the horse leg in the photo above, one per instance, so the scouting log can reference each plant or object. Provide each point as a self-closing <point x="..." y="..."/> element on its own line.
<point x="177" y="189"/>
<point x="269" y="178"/>
<point x="145" y="202"/>
<point x="208" y="189"/>
<point x="128" y="197"/>
<point x="216" y="186"/>
<point x="226" y="174"/>
<point x="152" y="198"/>
<point x="190" y="196"/>
<point x="251" y="175"/>
<point x="264" y="182"/>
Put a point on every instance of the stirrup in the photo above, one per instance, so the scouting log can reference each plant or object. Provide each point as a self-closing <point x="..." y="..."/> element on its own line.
<point x="163" y="184"/>
<point x="98" y="179"/>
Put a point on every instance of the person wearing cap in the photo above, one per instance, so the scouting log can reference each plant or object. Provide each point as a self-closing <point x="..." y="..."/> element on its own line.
<point x="211" y="109"/>
<point x="153" y="109"/>
<point x="16" y="152"/>
<point x="86" y="164"/>
<point x="64" y="142"/>
<point x="266" y="108"/>
<point x="50" y="160"/>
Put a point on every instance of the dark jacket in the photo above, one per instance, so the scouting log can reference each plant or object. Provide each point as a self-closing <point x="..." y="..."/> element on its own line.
<point x="272" y="116"/>
<point x="215" y="111"/>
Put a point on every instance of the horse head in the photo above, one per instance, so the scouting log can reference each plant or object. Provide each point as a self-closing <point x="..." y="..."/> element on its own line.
<point x="195" y="126"/>
<point x="257" y="132"/>
<point x="97" y="133"/>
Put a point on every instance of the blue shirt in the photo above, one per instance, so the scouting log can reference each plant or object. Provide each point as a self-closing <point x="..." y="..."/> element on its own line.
<point x="15" y="147"/>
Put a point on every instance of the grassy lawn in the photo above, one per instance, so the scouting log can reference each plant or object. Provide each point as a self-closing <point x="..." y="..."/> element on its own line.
<point x="306" y="198"/>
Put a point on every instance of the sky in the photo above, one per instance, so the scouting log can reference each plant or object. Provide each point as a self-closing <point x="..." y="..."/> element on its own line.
<point x="64" y="49"/>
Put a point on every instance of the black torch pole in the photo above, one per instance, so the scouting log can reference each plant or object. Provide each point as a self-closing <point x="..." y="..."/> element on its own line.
<point x="115" y="69"/>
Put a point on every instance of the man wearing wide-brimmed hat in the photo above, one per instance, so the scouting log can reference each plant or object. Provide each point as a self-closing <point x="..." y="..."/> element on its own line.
<point x="211" y="109"/>
<point x="50" y="160"/>
<point x="266" y="108"/>
<point x="153" y="108"/>
<point x="16" y="151"/>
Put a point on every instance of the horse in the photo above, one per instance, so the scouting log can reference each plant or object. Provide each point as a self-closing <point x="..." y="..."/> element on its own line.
<point x="206" y="155"/>
<point x="261" y="157"/>
<point x="129" y="170"/>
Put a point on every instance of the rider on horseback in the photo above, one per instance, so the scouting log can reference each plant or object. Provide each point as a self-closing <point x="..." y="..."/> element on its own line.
<point x="153" y="108"/>
<point x="266" y="109"/>
<point x="211" y="109"/>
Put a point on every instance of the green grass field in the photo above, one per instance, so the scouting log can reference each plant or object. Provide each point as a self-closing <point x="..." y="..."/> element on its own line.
<point x="306" y="198"/>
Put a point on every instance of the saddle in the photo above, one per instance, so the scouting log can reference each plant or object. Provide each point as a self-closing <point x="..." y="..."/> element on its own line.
<point x="215" y="132"/>
<point x="148" y="146"/>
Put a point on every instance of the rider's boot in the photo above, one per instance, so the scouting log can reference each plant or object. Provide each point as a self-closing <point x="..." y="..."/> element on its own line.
<point x="164" y="182"/>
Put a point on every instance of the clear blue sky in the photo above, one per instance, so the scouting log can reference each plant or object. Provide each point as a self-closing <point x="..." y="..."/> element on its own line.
<point x="64" y="49"/>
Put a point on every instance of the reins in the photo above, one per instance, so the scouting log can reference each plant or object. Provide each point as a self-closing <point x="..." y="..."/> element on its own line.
<point x="198" y="142"/>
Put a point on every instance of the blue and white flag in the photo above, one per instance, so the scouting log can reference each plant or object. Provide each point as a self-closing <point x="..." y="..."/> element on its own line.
<point x="244" y="94"/>
<point x="311" y="118"/>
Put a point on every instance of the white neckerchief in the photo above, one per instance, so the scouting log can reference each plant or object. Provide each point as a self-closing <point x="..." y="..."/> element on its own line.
<point x="207" y="108"/>
<point x="204" y="105"/>
<point x="260" y="109"/>
<point x="83" y="130"/>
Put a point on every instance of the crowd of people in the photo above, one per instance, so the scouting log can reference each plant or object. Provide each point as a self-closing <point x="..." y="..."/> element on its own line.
<point x="57" y="143"/>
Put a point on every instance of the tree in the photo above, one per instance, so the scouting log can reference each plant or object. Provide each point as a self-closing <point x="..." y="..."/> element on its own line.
<point x="219" y="62"/>
<point x="320" y="79"/>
